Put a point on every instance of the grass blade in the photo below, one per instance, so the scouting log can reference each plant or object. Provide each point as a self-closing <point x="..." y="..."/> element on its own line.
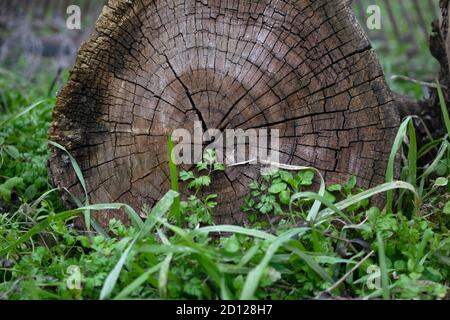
<point x="412" y="155"/>
<point x="18" y="115"/>
<point x="175" y="209"/>
<point x="225" y="293"/>
<point x="323" y="200"/>
<point x="157" y="248"/>
<point x="370" y="193"/>
<point x="42" y="197"/>
<point x="158" y="210"/>
<point x="111" y="280"/>
<point x="137" y="283"/>
<point x="442" y="152"/>
<point x="443" y="108"/>
<point x="60" y="216"/>
<point x="134" y="217"/>
<point x="235" y="229"/>
<point x="164" y="276"/>
<point x="254" y="276"/>
<point x="79" y="173"/>
<point x="267" y="236"/>
<point x="310" y="262"/>
<point x="398" y="142"/>
<point x="383" y="268"/>
<point x="248" y="255"/>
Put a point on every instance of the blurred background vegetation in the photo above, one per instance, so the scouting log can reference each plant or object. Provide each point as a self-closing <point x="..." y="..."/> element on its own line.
<point x="402" y="42"/>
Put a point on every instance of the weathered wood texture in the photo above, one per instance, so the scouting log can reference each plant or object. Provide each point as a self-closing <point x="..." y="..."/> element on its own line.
<point x="440" y="42"/>
<point x="304" y="67"/>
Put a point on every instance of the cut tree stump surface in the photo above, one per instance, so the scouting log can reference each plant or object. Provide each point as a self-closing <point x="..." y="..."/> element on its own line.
<point x="304" y="67"/>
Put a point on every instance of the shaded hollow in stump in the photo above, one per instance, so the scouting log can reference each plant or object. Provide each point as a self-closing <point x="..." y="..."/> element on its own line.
<point x="304" y="67"/>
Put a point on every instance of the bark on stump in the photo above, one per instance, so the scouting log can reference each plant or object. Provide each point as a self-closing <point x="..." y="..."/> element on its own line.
<point x="304" y="67"/>
<point x="440" y="49"/>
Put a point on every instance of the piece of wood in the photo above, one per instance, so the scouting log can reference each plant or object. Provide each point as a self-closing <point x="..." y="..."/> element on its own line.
<point x="445" y="9"/>
<point x="304" y="67"/>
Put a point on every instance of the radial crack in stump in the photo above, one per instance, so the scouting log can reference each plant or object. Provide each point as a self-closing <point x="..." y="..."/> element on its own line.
<point x="304" y="67"/>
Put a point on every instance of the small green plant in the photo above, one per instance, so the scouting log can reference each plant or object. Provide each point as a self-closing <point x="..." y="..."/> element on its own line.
<point x="273" y="192"/>
<point x="272" y="196"/>
<point x="196" y="210"/>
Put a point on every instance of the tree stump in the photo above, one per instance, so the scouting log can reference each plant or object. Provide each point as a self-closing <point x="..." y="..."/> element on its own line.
<point x="304" y="67"/>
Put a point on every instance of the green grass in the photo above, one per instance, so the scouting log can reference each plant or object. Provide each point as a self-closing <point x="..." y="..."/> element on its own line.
<point x="298" y="243"/>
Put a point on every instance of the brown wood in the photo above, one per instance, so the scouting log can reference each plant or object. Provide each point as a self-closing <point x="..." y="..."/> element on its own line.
<point x="445" y="9"/>
<point x="440" y="41"/>
<point x="304" y="67"/>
